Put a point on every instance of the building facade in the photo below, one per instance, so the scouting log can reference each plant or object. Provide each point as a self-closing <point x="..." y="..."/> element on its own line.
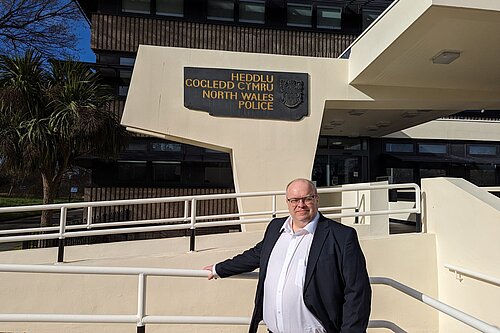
<point x="322" y="29"/>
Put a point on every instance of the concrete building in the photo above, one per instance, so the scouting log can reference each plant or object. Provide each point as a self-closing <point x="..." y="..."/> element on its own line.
<point x="373" y="139"/>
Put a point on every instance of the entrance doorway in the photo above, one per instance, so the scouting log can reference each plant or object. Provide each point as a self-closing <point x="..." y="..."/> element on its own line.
<point x="340" y="161"/>
<point x="337" y="170"/>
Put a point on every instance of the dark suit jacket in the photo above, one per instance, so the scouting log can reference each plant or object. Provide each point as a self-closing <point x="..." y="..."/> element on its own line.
<point x="336" y="287"/>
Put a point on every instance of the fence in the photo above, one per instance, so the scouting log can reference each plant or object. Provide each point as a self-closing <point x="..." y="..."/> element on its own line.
<point x="190" y="219"/>
<point x="140" y="319"/>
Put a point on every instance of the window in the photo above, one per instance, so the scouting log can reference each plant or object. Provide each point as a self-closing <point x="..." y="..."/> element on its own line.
<point x="166" y="146"/>
<point x="122" y="90"/>
<point x="218" y="175"/>
<point x="299" y="15"/>
<point x="431" y="173"/>
<point x="432" y="148"/>
<point x="136" y="6"/>
<point x="222" y="10"/>
<point x="252" y="12"/>
<point x="127" y="61"/>
<point x="482" y="150"/>
<point x="400" y="175"/>
<point x="132" y="171"/>
<point x="166" y="171"/>
<point x="347" y="143"/>
<point x="137" y="146"/>
<point x="170" y="7"/>
<point x="483" y="175"/>
<point x="369" y="16"/>
<point x="329" y="17"/>
<point x="399" y="147"/>
<point x="125" y="76"/>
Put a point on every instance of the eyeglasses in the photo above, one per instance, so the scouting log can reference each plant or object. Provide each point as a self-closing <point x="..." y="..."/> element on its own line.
<point x="307" y="200"/>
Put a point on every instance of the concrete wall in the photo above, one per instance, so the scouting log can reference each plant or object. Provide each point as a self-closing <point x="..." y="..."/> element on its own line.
<point x="466" y="222"/>
<point x="265" y="154"/>
<point x="407" y="258"/>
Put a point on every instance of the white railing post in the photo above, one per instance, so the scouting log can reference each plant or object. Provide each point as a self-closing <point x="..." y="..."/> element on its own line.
<point x="193" y="226"/>
<point x="274" y="205"/>
<point x="186" y="210"/>
<point x="141" y="302"/>
<point x="356" y="210"/>
<point x="62" y="229"/>
<point x="89" y="217"/>
<point x="418" y="206"/>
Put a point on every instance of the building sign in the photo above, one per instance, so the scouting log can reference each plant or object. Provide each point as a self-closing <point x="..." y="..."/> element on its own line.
<point x="246" y="94"/>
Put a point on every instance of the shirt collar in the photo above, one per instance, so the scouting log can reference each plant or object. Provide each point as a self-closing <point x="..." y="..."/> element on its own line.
<point x="309" y="228"/>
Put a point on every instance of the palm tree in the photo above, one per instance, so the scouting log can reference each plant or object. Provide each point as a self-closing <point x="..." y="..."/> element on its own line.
<point x="50" y="114"/>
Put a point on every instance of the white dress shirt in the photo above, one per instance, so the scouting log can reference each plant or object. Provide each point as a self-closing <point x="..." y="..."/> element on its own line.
<point x="284" y="308"/>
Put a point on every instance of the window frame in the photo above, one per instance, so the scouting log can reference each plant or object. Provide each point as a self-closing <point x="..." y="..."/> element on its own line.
<point x="298" y="5"/>
<point x="319" y="10"/>
<point x="221" y="18"/>
<point x="133" y="11"/>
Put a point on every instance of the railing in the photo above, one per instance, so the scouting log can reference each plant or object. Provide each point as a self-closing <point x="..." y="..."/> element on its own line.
<point x="491" y="188"/>
<point x="347" y="52"/>
<point x="459" y="271"/>
<point x="190" y="220"/>
<point x="141" y="318"/>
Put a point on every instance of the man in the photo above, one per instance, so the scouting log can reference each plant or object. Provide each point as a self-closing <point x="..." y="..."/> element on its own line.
<point x="312" y="272"/>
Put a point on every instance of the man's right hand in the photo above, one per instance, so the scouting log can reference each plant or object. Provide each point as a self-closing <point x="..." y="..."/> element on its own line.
<point x="210" y="270"/>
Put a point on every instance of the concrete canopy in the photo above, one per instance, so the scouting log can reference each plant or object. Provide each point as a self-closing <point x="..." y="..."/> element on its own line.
<point x="391" y="66"/>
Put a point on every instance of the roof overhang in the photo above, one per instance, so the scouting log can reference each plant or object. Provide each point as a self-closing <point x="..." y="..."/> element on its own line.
<point x="391" y="66"/>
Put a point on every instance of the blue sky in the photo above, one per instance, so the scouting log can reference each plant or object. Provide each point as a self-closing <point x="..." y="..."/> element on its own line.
<point x="83" y="33"/>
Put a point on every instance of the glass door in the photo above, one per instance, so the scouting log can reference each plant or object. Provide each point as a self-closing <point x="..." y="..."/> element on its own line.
<point x="331" y="170"/>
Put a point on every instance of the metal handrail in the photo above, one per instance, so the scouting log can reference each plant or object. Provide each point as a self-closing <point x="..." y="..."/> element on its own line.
<point x="475" y="275"/>
<point x="465" y="318"/>
<point x="141" y="318"/>
<point x="347" y="52"/>
<point x="190" y="220"/>
<point x="491" y="188"/>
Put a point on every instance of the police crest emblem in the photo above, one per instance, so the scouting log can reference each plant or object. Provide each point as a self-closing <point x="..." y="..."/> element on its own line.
<point x="291" y="92"/>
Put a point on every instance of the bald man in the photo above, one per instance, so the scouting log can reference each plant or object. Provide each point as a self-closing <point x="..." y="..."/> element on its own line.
<point x="312" y="272"/>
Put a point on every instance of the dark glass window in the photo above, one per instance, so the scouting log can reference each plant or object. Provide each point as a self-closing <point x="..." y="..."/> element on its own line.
<point x="369" y="16"/>
<point x="399" y="147"/>
<point x="329" y="17"/>
<point x="166" y="146"/>
<point x="347" y="143"/>
<point x="122" y="90"/>
<point x="252" y="11"/>
<point x="483" y="175"/>
<point x="136" y="6"/>
<point x="166" y="171"/>
<point x="222" y="10"/>
<point x="132" y="171"/>
<point x="123" y="87"/>
<point x="127" y="61"/>
<point x="482" y="150"/>
<point x="323" y="142"/>
<point x="137" y="146"/>
<point x="170" y="7"/>
<point x="400" y="175"/>
<point x="218" y="175"/>
<point x="432" y="148"/>
<point x="299" y="15"/>
<point x="430" y="173"/>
